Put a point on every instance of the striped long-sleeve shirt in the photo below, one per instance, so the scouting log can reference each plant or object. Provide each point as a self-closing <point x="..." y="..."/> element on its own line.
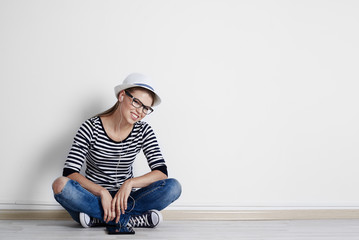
<point x="110" y="163"/>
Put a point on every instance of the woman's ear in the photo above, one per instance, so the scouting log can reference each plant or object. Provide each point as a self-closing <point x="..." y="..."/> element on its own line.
<point x="120" y="96"/>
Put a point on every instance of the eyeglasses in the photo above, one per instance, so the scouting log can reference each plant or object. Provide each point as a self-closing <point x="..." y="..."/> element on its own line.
<point x="138" y="104"/>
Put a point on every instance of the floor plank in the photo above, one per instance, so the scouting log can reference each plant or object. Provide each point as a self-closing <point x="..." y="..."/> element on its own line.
<point x="177" y="230"/>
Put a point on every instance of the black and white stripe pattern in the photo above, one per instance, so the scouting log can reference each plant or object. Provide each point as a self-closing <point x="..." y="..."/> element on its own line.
<point x="109" y="163"/>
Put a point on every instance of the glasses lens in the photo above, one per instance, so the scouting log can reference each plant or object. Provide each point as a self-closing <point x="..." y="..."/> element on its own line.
<point x="147" y="110"/>
<point x="136" y="103"/>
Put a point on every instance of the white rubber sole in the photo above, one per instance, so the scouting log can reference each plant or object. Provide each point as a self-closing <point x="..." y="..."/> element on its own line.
<point x="160" y="218"/>
<point x="84" y="220"/>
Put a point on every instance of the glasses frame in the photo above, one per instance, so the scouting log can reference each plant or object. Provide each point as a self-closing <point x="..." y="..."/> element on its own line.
<point x="143" y="106"/>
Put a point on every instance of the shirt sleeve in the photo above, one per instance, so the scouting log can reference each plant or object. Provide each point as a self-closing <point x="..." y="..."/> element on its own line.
<point x="79" y="149"/>
<point x="152" y="151"/>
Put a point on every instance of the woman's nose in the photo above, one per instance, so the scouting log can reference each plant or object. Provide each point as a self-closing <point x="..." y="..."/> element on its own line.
<point x="139" y="110"/>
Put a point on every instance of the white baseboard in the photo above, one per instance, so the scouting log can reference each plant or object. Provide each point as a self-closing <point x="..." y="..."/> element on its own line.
<point x="29" y="206"/>
<point x="178" y="212"/>
<point x="184" y="207"/>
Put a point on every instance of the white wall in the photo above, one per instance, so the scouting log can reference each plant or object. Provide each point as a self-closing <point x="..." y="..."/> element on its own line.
<point x="260" y="98"/>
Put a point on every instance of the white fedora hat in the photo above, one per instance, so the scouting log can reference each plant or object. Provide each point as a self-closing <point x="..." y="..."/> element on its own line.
<point x="138" y="80"/>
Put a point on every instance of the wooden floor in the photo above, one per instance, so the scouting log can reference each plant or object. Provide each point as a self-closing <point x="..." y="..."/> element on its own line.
<point x="223" y="230"/>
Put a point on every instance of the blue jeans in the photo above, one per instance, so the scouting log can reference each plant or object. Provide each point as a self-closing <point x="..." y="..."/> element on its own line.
<point x="158" y="195"/>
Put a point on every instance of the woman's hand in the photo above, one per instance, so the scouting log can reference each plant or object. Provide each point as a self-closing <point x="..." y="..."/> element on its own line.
<point x="119" y="202"/>
<point x="106" y="200"/>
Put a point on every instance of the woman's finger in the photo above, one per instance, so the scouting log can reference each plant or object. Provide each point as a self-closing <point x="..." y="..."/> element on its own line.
<point x="118" y="210"/>
<point x="124" y="203"/>
<point x="118" y="213"/>
<point x="113" y="208"/>
<point x="105" y="215"/>
<point x="113" y="204"/>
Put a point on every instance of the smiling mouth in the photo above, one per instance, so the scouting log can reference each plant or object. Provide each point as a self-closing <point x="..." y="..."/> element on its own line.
<point x="134" y="116"/>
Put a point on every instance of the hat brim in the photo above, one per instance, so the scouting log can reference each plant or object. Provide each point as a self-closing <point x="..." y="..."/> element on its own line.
<point x="121" y="87"/>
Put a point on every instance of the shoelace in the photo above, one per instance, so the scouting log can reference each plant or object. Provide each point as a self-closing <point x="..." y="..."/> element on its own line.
<point x="140" y="221"/>
<point x="95" y="221"/>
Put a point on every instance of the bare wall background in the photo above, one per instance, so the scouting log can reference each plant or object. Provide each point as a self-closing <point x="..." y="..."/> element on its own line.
<point x="260" y="98"/>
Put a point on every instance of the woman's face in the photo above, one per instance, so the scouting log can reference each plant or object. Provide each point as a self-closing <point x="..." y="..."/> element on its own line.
<point x="130" y="113"/>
